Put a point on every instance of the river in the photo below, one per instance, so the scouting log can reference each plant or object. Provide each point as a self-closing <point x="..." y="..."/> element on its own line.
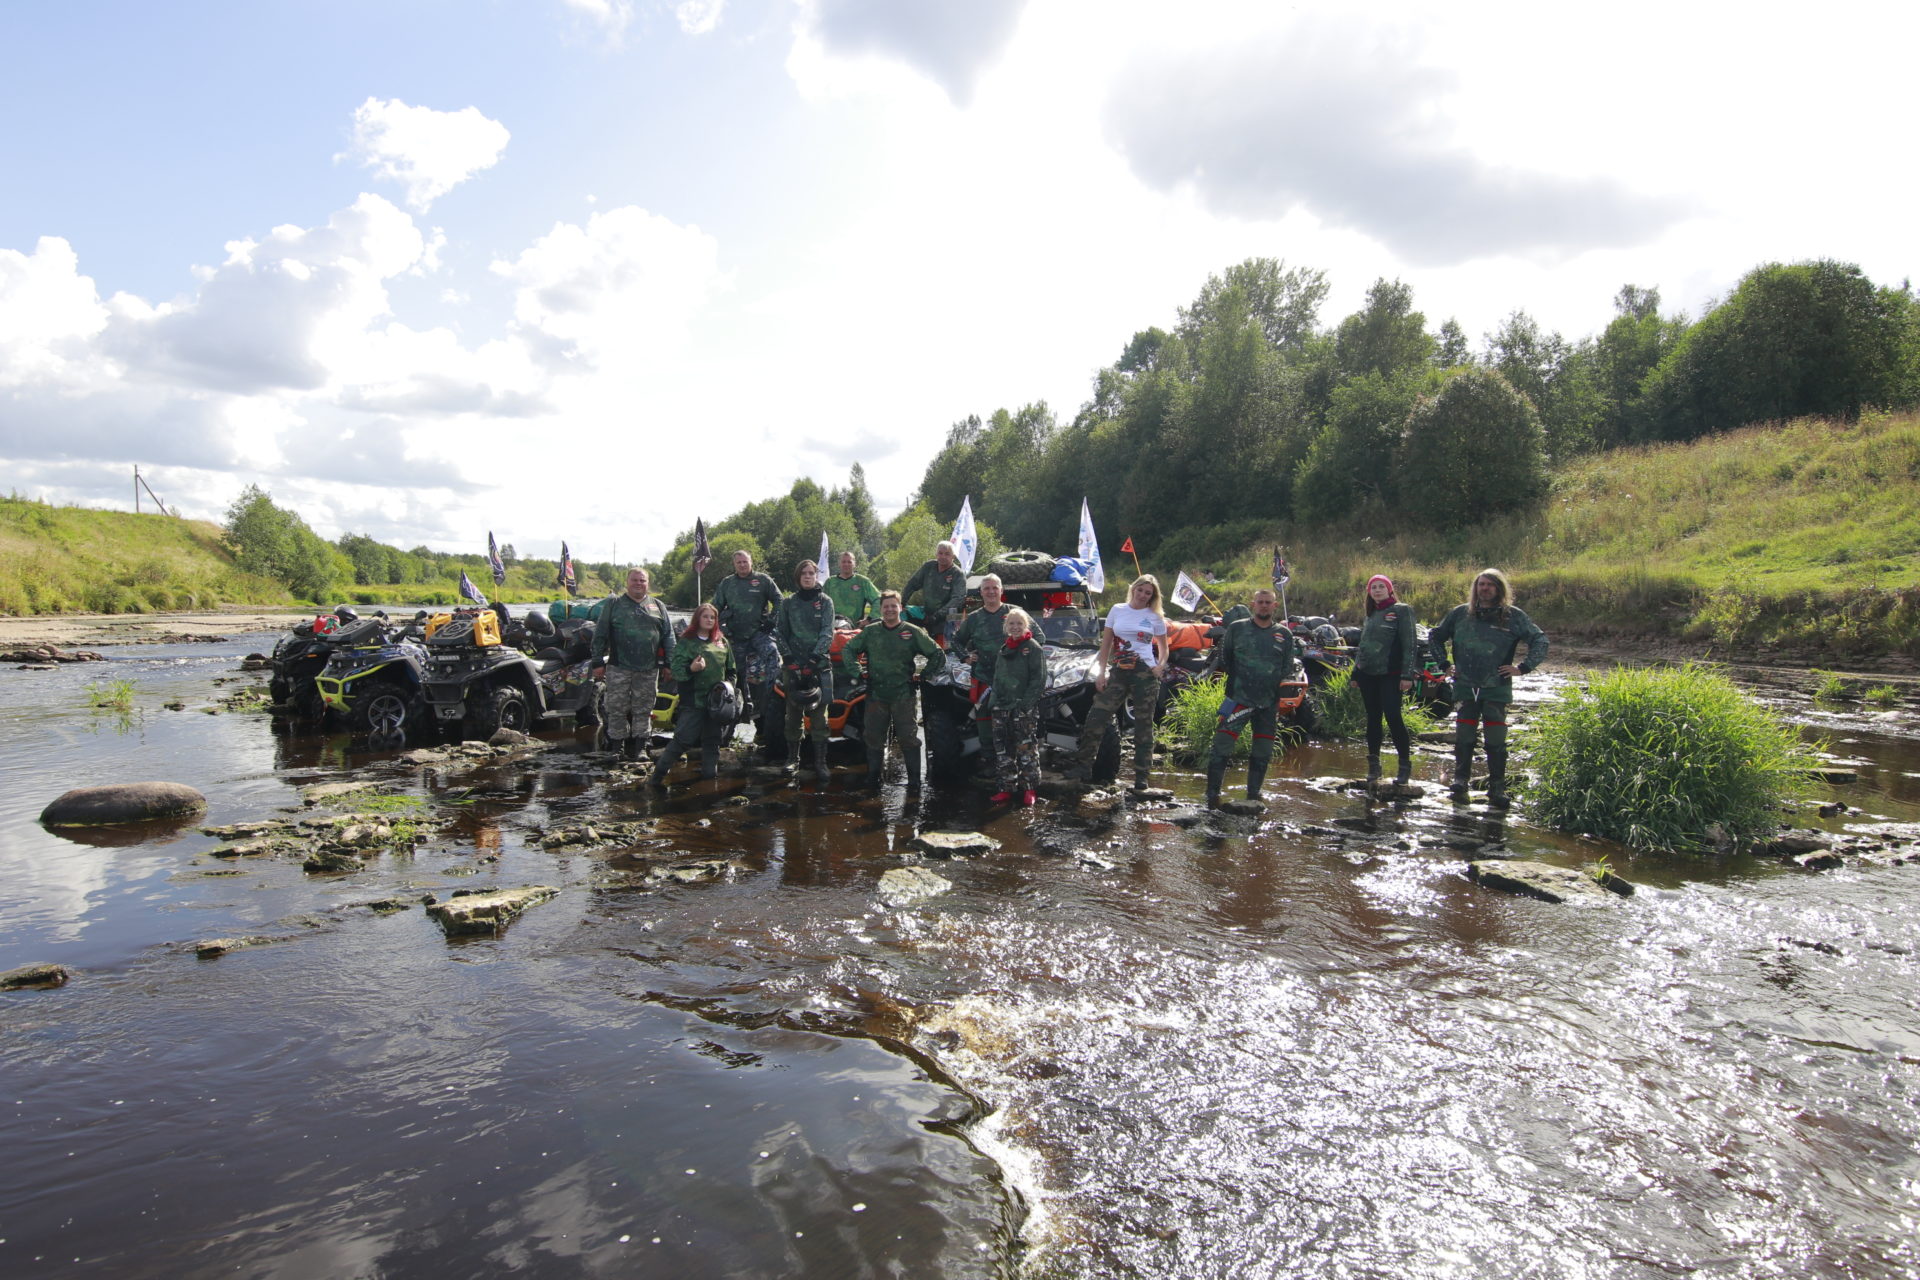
<point x="1303" y="1047"/>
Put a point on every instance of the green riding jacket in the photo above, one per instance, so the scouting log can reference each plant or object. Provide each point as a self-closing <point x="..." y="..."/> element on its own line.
<point x="719" y="667"/>
<point x="1257" y="660"/>
<point x="744" y="602"/>
<point x="890" y="653"/>
<point x="633" y="637"/>
<point x="1483" y="641"/>
<point x="986" y="633"/>
<point x="1019" y="676"/>
<point x="1383" y="629"/>
<point x="804" y="628"/>
<point x="854" y="598"/>
<point x="943" y="591"/>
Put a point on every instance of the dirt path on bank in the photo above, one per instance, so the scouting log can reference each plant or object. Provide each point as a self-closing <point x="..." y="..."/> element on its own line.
<point x="71" y="630"/>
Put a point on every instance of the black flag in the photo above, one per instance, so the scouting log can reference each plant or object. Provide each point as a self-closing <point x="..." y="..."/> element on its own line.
<point x="566" y="569"/>
<point x="702" y="553"/>
<point x="1280" y="574"/>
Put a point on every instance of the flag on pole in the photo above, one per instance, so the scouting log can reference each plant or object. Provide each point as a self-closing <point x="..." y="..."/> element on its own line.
<point x="494" y="562"/>
<point x="470" y="592"/>
<point x="1186" y="593"/>
<point x="566" y="569"/>
<point x="1126" y="548"/>
<point x="966" y="542"/>
<point x="1280" y="574"/>
<point x="702" y="552"/>
<point x="825" y="551"/>
<point x="1090" y="550"/>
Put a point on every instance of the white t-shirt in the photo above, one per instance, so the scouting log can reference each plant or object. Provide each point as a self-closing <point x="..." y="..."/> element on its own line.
<point x="1135" y="629"/>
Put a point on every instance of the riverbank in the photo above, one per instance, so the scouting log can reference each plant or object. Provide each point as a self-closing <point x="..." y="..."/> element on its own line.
<point x="66" y="630"/>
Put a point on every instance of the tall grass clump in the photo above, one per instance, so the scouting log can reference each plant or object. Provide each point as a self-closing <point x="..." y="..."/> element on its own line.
<point x="1342" y="712"/>
<point x="1653" y="757"/>
<point x="1188" y="727"/>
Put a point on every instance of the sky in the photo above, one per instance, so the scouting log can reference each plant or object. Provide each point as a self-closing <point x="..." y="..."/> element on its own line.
<point x="588" y="269"/>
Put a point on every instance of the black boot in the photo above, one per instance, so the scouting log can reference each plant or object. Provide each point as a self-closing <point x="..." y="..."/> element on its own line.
<point x="710" y="755"/>
<point x="876" y="766"/>
<point x="1373" y="771"/>
<point x="913" y="771"/>
<point x="1404" y="778"/>
<point x="667" y="760"/>
<point x="630" y="748"/>
<point x="1465" y="738"/>
<point x="1256" y="777"/>
<point x="820" y="763"/>
<point x="1142" y="779"/>
<point x="1216" y="774"/>
<point x="1497" y="766"/>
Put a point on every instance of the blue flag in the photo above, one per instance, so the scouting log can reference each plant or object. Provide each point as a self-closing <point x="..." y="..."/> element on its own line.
<point x="493" y="559"/>
<point x="470" y="592"/>
<point x="566" y="569"/>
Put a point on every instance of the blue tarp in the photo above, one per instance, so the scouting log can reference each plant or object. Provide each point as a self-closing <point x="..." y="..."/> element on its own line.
<point x="1071" y="572"/>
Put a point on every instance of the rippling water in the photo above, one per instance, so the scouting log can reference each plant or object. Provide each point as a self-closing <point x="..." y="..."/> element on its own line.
<point x="1142" y="1050"/>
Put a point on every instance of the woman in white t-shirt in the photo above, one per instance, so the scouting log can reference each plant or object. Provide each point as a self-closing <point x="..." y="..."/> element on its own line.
<point x="1133" y="648"/>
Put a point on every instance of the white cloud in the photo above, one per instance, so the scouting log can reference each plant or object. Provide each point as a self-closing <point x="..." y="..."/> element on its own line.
<point x="611" y="15"/>
<point x="429" y="152"/>
<point x="48" y="311"/>
<point x="698" y="17"/>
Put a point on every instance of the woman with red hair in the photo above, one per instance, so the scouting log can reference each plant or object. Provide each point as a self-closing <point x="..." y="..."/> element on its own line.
<point x="1383" y="668"/>
<point x="701" y="660"/>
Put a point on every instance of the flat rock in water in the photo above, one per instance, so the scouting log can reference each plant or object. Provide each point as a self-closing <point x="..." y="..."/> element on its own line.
<point x="1095" y="803"/>
<point x="426" y="755"/>
<point x="210" y="948"/>
<point x="333" y="790"/>
<point x="1538" y="880"/>
<point x="487" y="910"/>
<point x="504" y="737"/>
<point x="330" y="860"/>
<point x="1833" y="775"/>
<point x="1819" y="860"/>
<point x="1150" y="793"/>
<point x="1792" y="844"/>
<point x="694" y="870"/>
<point x="1244" y="808"/>
<point x="122" y="802"/>
<point x="953" y="844"/>
<point x="34" y="975"/>
<point x="910" y="884"/>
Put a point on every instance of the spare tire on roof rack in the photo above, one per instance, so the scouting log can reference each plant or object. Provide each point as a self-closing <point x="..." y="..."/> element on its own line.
<point x="1022" y="567"/>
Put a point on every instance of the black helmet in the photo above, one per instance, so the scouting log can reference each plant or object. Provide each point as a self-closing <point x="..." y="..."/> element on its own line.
<point x="346" y="613"/>
<point x="1327" y="634"/>
<point x="805" y="690"/>
<point x="538" y="623"/>
<point x="1315" y="622"/>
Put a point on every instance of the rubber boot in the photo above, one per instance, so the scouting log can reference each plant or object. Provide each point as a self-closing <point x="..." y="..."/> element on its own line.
<point x="1216" y="774"/>
<point x="1404" y="778"/>
<point x="876" y="765"/>
<point x="988" y="764"/>
<point x="710" y="755"/>
<point x="1497" y="766"/>
<point x="1465" y="738"/>
<point x="820" y="763"/>
<point x="667" y="760"/>
<point x="913" y="772"/>
<point x="1142" y="779"/>
<point x="1256" y="777"/>
<point x="1373" y="771"/>
<point x="630" y="748"/>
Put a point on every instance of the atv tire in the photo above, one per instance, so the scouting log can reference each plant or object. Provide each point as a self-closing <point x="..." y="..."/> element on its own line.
<point x="1020" y="567"/>
<point x="502" y="707"/>
<point x="383" y="710"/>
<point x="308" y="702"/>
<point x="280" y="689"/>
<point x="946" y="744"/>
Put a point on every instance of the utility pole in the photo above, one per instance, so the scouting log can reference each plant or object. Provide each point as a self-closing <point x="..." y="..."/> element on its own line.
<point x="136" y="489"/>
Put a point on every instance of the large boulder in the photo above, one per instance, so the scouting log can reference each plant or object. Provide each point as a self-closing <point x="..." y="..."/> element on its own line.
<point x="34" y="975"/>
<point x="487" y="910"/>
<point x="123" y="802"/>
<point x="1544" y="881"/>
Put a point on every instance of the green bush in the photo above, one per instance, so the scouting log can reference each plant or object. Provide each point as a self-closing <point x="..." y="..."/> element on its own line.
<point x="1187" y="729"/>
<point x="1653" y="757"/>
<point x="1832" y="687"/>
<point x="1882" y="695"/>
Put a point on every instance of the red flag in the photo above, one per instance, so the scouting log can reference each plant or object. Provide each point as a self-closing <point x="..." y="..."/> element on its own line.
<point x="1126" y="548"/>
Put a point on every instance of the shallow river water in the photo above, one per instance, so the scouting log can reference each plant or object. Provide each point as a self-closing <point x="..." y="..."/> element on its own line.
<point x="1306" y="1046"/>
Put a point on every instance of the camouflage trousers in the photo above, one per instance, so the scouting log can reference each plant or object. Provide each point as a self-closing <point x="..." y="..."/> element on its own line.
<point x="1140" y="689"/>
<point x="901" y="715"/>
<point x="630" y="698"/>
<point x="1017" y="734"/>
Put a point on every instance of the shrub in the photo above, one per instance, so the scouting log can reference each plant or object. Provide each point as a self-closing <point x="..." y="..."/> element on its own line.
<point x="1342" y="712"/>
<point x="1472" y="451"/>
<point x="1831" y="687"/>
<point x="1187" y="729"/>
<point x="1882" y="695"/>
<point x="1653" y="757"/>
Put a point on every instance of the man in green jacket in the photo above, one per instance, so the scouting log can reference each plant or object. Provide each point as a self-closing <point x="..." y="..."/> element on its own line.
<point x="747" y="601"/>
<point x="632" y="641"/>
<point x="978" y="639"/>
<point x="890" y="646"/>
<point x="854" y="596"/>
<point x="804" y="633"/>
<point x="1256" y="654"/>
<point x="942" y="584"/>
<point x="1486" y="634"/>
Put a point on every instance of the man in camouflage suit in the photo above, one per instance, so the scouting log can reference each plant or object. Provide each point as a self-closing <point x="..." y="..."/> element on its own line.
<point x="747" y="601"/>
<point x="632" y="642"/>
<point x="978" y="639"/>
<point x="1256" y="654"/>
<point x="1486" y="634"/>
<point x="890" y="646"/>
<point x="942" y="584"/>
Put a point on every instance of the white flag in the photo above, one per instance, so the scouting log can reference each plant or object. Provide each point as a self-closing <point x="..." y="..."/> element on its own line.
<point x="1186" y="593"/>
<point x="966" y="543"/>
<point x="1090" y="550"/>
<point x="825" y="551"/>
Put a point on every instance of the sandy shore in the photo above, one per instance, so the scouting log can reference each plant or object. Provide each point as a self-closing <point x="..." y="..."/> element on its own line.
<point x="81" y="630"/>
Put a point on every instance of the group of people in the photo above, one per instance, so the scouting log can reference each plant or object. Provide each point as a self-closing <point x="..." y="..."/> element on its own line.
<point x="752" y="647"/>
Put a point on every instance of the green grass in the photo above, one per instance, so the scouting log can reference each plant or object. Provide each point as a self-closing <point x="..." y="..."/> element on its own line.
<point x="1830" y="686"/>
<point x="114" y="695"/>
<point x="1655" y="757"/>
<point x="1188" y="727"/>
<point x="1804" y="535"/>
<point x="388" y="802"/>
<point x="1882" y="695"/>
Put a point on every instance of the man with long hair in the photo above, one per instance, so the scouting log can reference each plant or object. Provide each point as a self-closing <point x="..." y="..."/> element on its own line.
<point x="1486" y="634"/>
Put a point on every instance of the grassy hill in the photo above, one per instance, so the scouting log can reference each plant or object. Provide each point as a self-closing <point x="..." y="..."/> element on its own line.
<point x="77" y="559"/>
<point x="1803" y="536"/>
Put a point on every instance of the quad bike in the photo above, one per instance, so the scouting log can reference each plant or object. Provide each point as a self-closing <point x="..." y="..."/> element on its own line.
<point x="300" y="656"/>
<point x="374" y="678"/>
<point x="476" y="685"/>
